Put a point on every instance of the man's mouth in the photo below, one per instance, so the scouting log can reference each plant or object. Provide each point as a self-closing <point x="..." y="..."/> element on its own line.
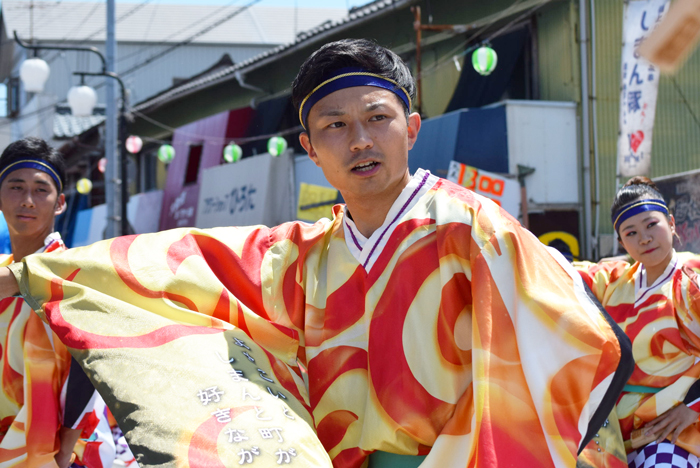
<point x="365" y="166"/>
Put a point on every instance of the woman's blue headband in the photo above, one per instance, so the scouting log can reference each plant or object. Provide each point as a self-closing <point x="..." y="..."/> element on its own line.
<point x="636" y="207"/>
<point x="349" y="78"/>
<point x="33" y="164"/>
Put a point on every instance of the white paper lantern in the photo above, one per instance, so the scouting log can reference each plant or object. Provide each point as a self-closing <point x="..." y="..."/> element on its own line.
<point x="34" y="72"/>
<point x="82" y="100"/>
<point x="134" y="144"/>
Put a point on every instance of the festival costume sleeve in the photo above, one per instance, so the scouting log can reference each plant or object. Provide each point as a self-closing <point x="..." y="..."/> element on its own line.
<point x="534" y="323"/>
<point x="599" y="276"/>
<point x="35" y="366"/>
<point x="195" y="373"/>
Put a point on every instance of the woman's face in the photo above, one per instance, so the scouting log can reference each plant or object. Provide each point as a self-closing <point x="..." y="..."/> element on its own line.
<point x="648" y="238"/>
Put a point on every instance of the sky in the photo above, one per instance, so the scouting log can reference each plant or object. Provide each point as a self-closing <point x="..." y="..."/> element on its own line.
<point x="299" y="3"/>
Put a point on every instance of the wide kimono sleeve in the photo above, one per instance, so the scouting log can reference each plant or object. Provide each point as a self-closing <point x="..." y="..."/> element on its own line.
<point x="599" y="276"/>
<point x="187" y="337"/>
<point x="686" y="300"/>
<point x="547" y="363"/>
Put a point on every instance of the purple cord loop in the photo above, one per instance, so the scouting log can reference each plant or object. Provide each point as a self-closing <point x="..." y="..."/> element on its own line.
<point x="400" y="213"/>
<point x="660" y="282"/>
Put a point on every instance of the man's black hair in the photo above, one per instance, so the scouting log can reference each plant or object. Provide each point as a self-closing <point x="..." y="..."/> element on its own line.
<point x="34" y="148"/>
<point x="359" y="53"/>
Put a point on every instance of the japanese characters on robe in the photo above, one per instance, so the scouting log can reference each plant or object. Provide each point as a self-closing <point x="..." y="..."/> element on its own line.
<point x="451" y="332"/>
<point x="40" y="390"/>
<point x="663" y="323"/>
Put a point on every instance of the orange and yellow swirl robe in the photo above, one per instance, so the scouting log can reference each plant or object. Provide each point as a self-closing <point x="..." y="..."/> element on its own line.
<point x="451" y="332"/>
<point x="35" y="367"/>
<point x="663" y="322"/>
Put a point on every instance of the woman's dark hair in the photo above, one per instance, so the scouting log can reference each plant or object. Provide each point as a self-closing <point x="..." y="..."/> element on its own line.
<point x="360" y="53"/>
<point x="34" y="148"/>
<point x="637" y="188"/>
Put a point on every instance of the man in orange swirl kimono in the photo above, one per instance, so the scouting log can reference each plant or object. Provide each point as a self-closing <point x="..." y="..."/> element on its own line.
<point x="46" y="401"/>
<point x="421" y="325"/>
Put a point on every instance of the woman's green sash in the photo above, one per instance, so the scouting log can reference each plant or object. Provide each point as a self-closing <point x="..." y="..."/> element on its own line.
<point x="641" y="389"/>
<point x="391" y="460"/>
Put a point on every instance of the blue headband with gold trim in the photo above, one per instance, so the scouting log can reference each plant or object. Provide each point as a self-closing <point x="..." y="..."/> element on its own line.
<point x="33" y="164"/>
<point x="636" y="207"/>
<point x="349" y="78"/>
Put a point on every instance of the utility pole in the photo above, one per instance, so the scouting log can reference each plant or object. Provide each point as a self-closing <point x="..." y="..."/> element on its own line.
<point x="113" y="174"/>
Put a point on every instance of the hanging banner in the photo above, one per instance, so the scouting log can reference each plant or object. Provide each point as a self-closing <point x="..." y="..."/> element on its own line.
<point x="640" y="83"/>
<point x="505" y="192"/>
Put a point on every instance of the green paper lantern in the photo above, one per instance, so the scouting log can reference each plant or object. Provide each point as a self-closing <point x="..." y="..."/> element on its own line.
<point x="166" y="153"/>
<point x="83" y="186"/>
<point x="484" y="60"/>
<point x="232" y="153"/>
<point x="276" y="145"/>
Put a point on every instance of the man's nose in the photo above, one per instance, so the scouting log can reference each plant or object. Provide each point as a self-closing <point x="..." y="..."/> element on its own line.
<point x="28" y="201"/>
<point x="361" y="138"/>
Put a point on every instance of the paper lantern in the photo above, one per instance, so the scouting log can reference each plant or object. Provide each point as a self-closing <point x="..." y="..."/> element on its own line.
<point x="102" y="165"/>
<point x="484" y="60"/>
<point x="82" y="100"/>
<point x="34" y="72"/>
<point x="276" y="145"/>
<point x="232" y="153"/>
<point x="83" y="186"/>
<point x="134" y="144"/>
<point x="166" y="153"/>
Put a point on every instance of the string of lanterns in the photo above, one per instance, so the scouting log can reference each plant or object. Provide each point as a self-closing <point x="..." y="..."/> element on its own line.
<point x="484" y="61"/>
<point x="232" y="153"/>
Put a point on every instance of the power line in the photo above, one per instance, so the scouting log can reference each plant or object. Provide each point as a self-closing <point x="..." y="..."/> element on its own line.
<point x="210" y="139"/>
<point x="98" y="31"/>
<point x="201" y="32"/>
<point x="166" y="41"/>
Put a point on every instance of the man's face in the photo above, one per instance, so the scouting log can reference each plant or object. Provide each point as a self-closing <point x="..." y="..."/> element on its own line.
<point x="360" y="139"/>
<point x="30" y="201"/>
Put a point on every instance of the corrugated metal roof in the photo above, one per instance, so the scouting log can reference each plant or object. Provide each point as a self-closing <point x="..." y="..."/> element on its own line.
<point x="355" y="16"/>
<point x="67" y="126"/>
<point x="80" y="21"/>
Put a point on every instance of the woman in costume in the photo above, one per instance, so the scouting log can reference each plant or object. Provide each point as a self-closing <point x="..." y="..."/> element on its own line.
<point x="656" y="301"/>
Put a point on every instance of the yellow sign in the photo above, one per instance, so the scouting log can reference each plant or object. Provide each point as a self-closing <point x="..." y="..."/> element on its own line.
<point x="315" y="202"/>
<point x="569" y="239"/>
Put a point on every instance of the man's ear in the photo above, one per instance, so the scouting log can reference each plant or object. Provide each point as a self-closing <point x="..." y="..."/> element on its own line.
<point x="305" y="141"/>
<point x="60" y="205"/>
<point x="414" y="123"/>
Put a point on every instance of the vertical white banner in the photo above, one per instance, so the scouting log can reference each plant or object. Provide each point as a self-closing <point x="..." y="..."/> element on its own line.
<point x="640" y="84"/>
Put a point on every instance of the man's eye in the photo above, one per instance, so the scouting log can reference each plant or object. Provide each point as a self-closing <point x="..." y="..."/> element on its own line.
<point x="378" y="117"/>
<point x="336" y="125"/>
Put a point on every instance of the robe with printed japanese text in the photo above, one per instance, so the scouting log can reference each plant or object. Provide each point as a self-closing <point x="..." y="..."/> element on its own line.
<point x="451" y="331"/>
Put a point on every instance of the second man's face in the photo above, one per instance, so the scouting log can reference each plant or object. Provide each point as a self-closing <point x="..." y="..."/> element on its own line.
<point x="29" y="202"/>
<point x="360" y="138"/>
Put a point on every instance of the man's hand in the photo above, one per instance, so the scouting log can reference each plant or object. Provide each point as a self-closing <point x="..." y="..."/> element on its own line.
<point x="64" y="460"/>
<point x="672" y="422"/>
<point x="8" y="283"/>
